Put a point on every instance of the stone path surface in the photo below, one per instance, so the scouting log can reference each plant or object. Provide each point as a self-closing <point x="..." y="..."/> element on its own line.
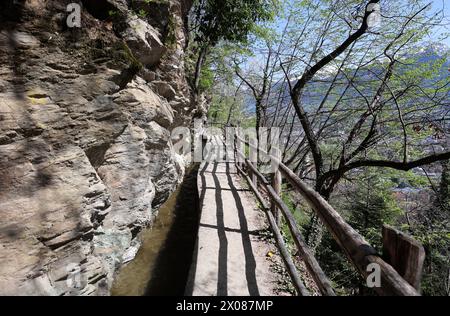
<point x="230" y="258"/>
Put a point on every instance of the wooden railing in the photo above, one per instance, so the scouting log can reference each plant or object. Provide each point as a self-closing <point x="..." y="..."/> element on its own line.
<point x="360" y="253"/>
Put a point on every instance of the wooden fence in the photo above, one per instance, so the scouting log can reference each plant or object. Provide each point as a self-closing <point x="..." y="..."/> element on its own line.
<point x="403" y="253"/>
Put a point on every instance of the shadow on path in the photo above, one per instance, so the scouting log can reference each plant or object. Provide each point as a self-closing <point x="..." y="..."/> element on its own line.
<point x="250" y="262"/>
<point x="222" y="281"/>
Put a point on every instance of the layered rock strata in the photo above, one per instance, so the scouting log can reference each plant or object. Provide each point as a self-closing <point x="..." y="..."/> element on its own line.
<point x="86" y="154"/>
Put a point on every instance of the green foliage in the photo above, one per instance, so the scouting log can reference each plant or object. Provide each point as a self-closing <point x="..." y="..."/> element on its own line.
<point x="366" y="208"/>
<point x="437" y="260"/>
<point x="122" y="52"/>
<point x="299" y="212"/>
<point x="345" y="279"/>
<point x="435" y="237"/>
<point x="217" y="22"/>
<point x="171" y="38"/>
<point x="142" y="13"/>
<point x="230" y="21"/>
<point x="206" y="79"/>
<point x="444" y="192"/>
<point x="112" y="13"/>
<point x="371" y="206"/>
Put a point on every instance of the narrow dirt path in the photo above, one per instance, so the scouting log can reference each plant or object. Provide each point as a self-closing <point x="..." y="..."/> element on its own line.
<point x="230" y="258"/>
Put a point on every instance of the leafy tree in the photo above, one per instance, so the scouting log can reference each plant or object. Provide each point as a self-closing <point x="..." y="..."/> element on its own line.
<point x="355" y="91"/>
<point x="432" y="229"/>
<point x="368" y="205"/>
<point x="362" y="110"/>
<point x="214" y="21"/>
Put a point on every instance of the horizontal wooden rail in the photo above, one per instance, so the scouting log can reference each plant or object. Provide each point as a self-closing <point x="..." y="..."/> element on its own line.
<point x="311" y="263"/>
<point x="359" y="252"/>
<point x="290" y="266"/>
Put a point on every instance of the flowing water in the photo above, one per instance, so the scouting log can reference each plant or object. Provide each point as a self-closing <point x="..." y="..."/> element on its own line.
<point x="162" y="264"/>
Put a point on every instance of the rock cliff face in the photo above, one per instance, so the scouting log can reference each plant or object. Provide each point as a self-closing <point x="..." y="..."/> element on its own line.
<point x="85" y="149"/>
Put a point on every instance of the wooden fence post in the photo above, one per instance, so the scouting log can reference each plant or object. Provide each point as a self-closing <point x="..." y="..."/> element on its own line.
<point x="404" y="254"/>
<point x="254" y="158"/>
<point x="276" y="184"/>
<point x="238" y="148"/>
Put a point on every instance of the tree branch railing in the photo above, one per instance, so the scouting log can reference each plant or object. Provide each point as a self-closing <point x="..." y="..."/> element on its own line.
<point x="360" y="253"/>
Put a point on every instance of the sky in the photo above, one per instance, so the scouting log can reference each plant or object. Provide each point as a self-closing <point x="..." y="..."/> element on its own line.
<point x="437" y="5"/>
<point x="441" y="6"/>
<point x="445" y="5"/>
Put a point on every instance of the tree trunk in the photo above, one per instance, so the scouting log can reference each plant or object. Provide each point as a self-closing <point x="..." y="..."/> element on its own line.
<point x="258" y="120"/>
<point x="198" y="68"/>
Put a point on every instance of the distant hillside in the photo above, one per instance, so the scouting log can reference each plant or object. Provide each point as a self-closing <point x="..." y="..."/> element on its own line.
<point x="430" y="54"/>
